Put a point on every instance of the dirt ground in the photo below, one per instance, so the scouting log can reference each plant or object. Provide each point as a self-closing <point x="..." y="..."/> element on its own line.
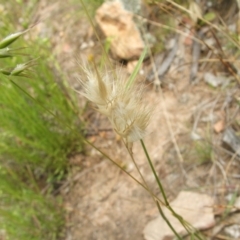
<point x="102" y="202"/>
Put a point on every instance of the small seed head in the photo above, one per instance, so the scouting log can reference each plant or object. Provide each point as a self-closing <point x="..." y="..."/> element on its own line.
<point x="10" y="39"/>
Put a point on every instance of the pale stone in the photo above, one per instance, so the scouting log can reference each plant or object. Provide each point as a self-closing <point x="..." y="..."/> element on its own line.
<point x="118" y="26"/>
<point x="195" y="208"/>
<point x="219" y="126"/>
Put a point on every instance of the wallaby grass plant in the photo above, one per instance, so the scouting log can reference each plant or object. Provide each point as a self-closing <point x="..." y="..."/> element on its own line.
<point x="120" y="102"/>
<point x="118" y="99"/>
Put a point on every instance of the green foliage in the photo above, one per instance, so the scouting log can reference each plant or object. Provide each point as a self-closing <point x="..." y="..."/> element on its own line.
<point x="203" y="151"/>
<point x="39" y="122"/>
<point x="25" y="213"/>
<point x="39" y="129"/>
<point x="16" y="13"/>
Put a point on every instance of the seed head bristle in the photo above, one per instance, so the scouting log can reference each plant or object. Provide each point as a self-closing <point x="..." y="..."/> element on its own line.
<point x="123" y="106"/>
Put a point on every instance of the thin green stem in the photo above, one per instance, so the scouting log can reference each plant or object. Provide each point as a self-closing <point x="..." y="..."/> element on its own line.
<point x="181" y="220"/>
<point x="167" y="221"/>
<point x="152" y="195"/>
<point x="29" y="170"/>
<point x="132" y="78"/>
<point x="154" y="172"/>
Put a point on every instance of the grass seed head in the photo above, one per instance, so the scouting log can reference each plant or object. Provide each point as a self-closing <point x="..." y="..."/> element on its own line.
<point x="5" y="52"/>
<point x="10" y="39"/>
<point x="123" y="106"/>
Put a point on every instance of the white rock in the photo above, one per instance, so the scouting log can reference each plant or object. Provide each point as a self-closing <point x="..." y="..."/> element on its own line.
<point x="117" y="24"/>
<point x="195" y="208"/>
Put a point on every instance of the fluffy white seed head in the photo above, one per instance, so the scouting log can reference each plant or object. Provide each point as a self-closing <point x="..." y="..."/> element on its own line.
<point x="123" y="106"/>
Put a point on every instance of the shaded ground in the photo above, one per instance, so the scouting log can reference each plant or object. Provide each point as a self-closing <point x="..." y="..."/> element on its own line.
<point x="104" y="203"/>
